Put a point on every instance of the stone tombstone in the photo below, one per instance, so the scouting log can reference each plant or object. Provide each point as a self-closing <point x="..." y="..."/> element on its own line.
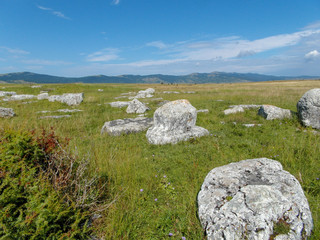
<point x="135" y="106"/>
<point x="72" y="98"/>
<point x="270" y="112"/>
<point x="173" y="122"/>
<point x="309" y="108"/>
<point x="68" y="98"/>
<point x="247" y="199"/>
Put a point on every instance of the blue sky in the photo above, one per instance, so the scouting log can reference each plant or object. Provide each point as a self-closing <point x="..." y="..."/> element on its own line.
<point x="115" y="37"/>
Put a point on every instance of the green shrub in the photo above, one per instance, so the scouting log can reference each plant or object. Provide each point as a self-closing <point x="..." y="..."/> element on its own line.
<point x="29" y="206"/>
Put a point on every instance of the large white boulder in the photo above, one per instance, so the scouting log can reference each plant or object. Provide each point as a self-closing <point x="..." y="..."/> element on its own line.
<point x="309" y="108"/>
<point x="247" y="199"/>
<point x="173" y="122"/>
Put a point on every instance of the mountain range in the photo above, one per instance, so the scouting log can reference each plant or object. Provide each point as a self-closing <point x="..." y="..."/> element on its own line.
<point x="195" y="78"/>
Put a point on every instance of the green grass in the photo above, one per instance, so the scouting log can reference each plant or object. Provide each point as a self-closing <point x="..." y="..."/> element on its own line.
<point x="173" y="174"/>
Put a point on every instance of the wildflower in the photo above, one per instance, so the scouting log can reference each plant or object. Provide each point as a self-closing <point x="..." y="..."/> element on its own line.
<point x="165" y="176"/>
<point x="156" y="176"/>
<point x="141" y="190"/>
<point x="183" y="238"/>
<point x="170" y="234"/>
<point x="156" y="199"/>
<point x="317" y="178"/>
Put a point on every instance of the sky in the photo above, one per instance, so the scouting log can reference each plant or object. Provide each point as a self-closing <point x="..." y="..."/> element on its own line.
<point x="115" y="37"/>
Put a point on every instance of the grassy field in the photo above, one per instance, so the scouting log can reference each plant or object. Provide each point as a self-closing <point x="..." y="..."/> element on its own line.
<point x="153" y="189"/>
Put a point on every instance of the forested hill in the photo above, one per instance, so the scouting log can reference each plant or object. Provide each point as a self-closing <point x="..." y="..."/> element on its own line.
<point x="214" y="77"/>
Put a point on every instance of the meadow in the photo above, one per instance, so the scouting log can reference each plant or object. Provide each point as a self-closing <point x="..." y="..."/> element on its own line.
<point x="152" y="190"/>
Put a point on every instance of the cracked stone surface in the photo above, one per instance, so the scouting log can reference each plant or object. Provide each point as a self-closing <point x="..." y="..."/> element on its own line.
<point x="309" y="108"/>
<point x="127" y="125"/>
<point x="174" y="122"/>
<point x="244" y="200"/>
<point x="270" y="112"/>
<point x="135" y="106"/>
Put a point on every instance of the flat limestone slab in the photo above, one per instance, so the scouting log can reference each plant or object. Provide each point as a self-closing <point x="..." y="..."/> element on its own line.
<point x="127" y="125"/>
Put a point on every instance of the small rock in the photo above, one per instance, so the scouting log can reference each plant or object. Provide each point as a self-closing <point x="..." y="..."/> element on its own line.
<point x="100" y="90"/>
<point x="270" y="112"/>
<point x="55" y="117"/>
<point x="18" y="97"/>
<point x="36" y="86"/>
<point x="148" y="93"/>
<point x="169" y="92"/>
<point x="202" y="111"/>
<point x="6" y="112"/>
<point x="233" y="110"/>
<point x="43" y="96"/>
<point x="135" y="106"/>
<point x="119" y="104"/>
<point x="127" y="125"/>
<point x="251" y="125"/>
<point x="189" y="92"/>
<point x="245" y="106"/>
<point x="4" y="93"/>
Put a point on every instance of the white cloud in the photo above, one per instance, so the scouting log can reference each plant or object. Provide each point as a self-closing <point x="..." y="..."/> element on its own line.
<point x="157" y="44"/>
<point x="246" y="53"/>
<point x="104" y="55"/>
<point x="312" y="55"/>
<point x="14" y="50"/>
<point x="45" y="62"/>
<point x="56" y="13"/>
<point x="235" y="46"/>
<point x="115" y="2"/>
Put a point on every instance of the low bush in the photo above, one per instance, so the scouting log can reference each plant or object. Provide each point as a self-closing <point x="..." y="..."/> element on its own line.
<point x="44" y="192"/>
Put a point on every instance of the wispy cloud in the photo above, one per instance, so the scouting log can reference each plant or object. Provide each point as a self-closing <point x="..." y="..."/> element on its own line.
<point x="115" y="2"/>
<point x="104" y="55"/>
<point x="45" y="62"/>
<point x="157" y="44"/>
<point x="16" y="51"/>
<point x="54" y="12"/>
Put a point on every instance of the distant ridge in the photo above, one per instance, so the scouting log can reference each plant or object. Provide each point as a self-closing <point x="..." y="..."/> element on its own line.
<point x="214" y="77"/>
